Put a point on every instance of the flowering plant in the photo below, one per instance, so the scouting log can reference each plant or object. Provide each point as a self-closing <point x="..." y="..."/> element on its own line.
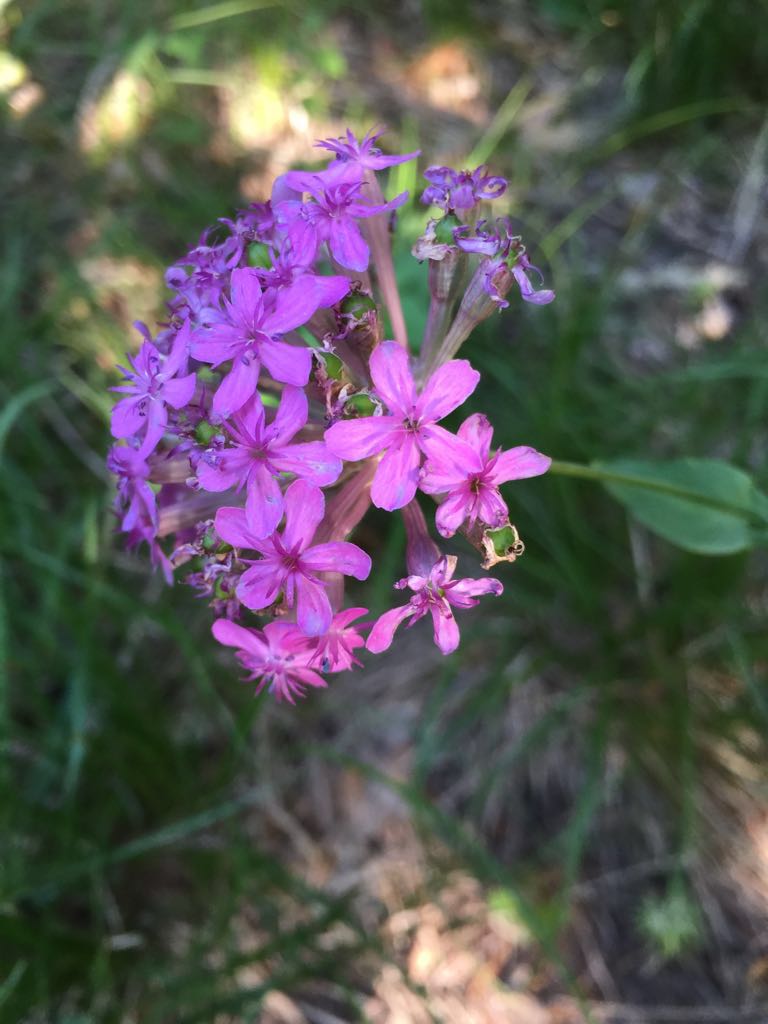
<point x="271" y="384"/>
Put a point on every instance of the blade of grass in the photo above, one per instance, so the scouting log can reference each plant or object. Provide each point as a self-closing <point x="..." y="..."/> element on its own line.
<point x="501" y="123"/>
<point x="218" y="12"/>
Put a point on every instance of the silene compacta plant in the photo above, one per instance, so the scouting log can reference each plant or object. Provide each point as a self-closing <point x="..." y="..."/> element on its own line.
<point x="270" y="410"/>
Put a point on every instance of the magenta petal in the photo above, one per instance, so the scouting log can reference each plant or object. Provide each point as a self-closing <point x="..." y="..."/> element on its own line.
<point x="491" y="508"/>
<point x="397" y="476"/>
<point x="517" y="464"/>
<point x="260" y="585"/>
<point x="264" y="502"/>
<point x="359" y="439"/>
<point x="449" y="387"/>
<point x="245" y="289"/>
<point x="127" y="420"/>
<point x="337" y="556"/>
<point x="304" y="510"/>
<point x="249" y="421"/>
<point x="232" y="635"/>
<point x="392" y="377"/>
<point x="310" y="460"/>
<point x="463" y="593"/>
<point x="178" y="393"/>
<point x="347" y="245"/>
<point x="237" y="387"/>
<point x="452" y="513"/>
<point x="528" y="292"/>
<point x="313" y="609"/>
<point x="290" y="418"/>
<point x="324" y="290"/>
<point x="177" y="357"/>
<point x="217" y="343"/>
<point x="231" y="525"/>
<point x="294" y="305"/>
<point x="446" y="630"/>
<point x="215" y="478"/>
<point x="383" y="632"/>
<point x="477" y="431"/>
<point x="290" y="364"/>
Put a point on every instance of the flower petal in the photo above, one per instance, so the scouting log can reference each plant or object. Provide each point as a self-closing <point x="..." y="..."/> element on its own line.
<point x="358" y="439"/>
<point x="397" y="475"/>
<point x="392" y="377"/>
<point x="260" y="584"/>
<point x="463" y="593"/>
<point x="290" y="417"/>
<point x="445" y="628"/>
<point x="517" y="464"/>
<point x="214" y="477"/>
<point x="245" y="290"/>
<point x="452" y="512"/>
<point x="127" y="417"/>
<point x="264" y="502"/>
<point x="237" y="387"/>
<point x="491" y="508"/>
<point x="295" y="304"/>
<point x="311" y="460"/>
<point x="178" y="393"/>
<point x="304" y="510"/>
<point x="449" y="387"/>
<point x="338" y="556"/>
<point x="477" y="431"/>
<point x="232" y="635"/>
<point x="313" y="609"/>
<point x="383" y="632"/>
<point x="231" y="525"/>
<point x="290" y="364"/>
<point x="347" y="245"/>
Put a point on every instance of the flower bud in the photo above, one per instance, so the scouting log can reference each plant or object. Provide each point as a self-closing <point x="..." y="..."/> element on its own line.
<point x="259" y="256"/>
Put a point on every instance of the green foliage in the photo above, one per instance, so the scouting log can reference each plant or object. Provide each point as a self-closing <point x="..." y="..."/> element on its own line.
<point x="671" y="923"/>
<point x="678" y="51"/>
<point x="702" y="505"/>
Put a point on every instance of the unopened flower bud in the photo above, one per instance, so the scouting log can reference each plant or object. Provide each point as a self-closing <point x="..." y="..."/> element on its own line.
<point x="259" y="256"/>
<point x="359" y="405"/>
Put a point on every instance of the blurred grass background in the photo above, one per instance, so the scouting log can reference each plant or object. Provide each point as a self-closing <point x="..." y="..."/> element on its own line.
<point x="563" y="823"/>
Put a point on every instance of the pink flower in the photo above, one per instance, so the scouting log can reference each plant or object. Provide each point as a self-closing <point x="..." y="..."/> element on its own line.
<point x="471" y="483"/>
<point x="436" y="593"/>
<point x="363" y="152"/>
<point x="289" y="562"/>
<point x="461" y="190"/>
<point x="506" y="255"/>
<point x="276" y="656"/>
<point x="260" y="453"/>
<point x="332" y="216"/>
<point x="248" y="329"/>
<point x="153" y="385"/>
<point x="410" y="429"/>
<point x="334" y="651"/>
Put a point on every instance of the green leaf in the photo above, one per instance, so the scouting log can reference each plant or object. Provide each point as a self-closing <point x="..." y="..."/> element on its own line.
<point x="701" y="505"/>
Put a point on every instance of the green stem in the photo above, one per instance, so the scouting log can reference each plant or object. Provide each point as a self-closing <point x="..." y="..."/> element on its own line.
<point x="584" y="472"/>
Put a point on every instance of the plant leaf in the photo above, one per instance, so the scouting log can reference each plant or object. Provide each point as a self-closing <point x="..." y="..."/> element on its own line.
<point x="701" y="505"/>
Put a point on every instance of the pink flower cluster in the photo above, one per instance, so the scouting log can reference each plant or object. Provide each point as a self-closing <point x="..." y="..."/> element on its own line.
<point x="267" y="413"/>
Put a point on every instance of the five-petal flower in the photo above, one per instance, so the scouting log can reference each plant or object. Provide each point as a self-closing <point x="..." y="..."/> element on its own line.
<point x="471" y="482"/>
<point x="276" y="655"/>
<point x="262" y="451"/>
<point x="410" y="429"/>
<point x="290" y="563"/>
<point x="437" y="593"/>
